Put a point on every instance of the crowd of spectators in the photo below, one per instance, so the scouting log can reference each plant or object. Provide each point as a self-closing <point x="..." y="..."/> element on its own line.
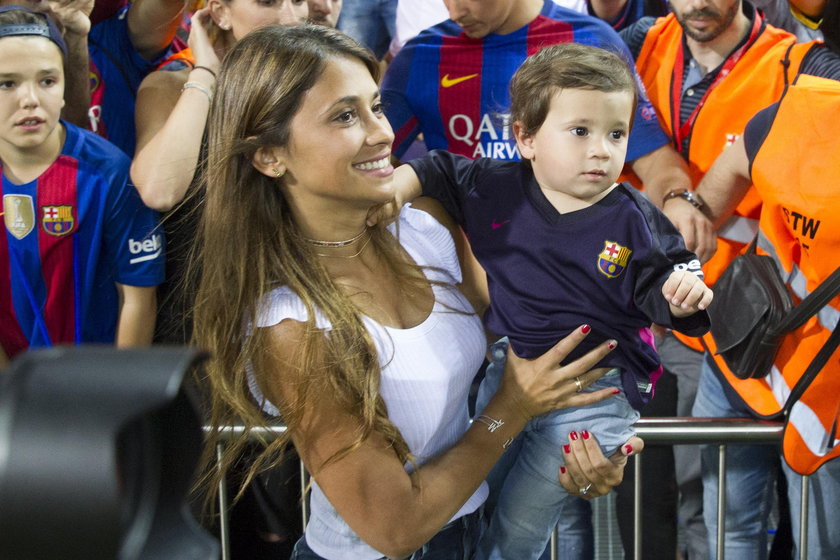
<point x="108" y="152"/>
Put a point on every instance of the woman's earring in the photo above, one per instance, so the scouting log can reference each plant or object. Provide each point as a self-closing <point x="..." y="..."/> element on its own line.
<point x="277" y="172"/>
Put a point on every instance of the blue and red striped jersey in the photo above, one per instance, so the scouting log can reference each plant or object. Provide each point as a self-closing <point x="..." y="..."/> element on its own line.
<point x="633" y="11"/>
<point x="116" y="71"/>
<point x="454" y="89"/>
<point x="71" y="234"/>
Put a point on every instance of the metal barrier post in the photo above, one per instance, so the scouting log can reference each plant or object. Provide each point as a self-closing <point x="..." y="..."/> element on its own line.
<point x="803" y="520"/>
<point x="262" y="433"/>
<point x="224" y="526"/>
<point x="637" y="509"/>
<point x="721" y="502"/>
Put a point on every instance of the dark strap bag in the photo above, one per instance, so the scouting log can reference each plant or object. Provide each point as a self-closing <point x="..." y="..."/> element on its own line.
<point x="753" y="309"/>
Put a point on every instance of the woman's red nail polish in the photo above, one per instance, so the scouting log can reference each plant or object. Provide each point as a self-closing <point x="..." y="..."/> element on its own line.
<point x="585" y="434"/>
<point x="585" y="329"/>
<point x="628" y="449"/>
<point x="562" y="470"/>
<point x="616" y="391"/>
<point x="567" y="448"/>
<point x="573" y="436"/>
<point x="611" y="345"/>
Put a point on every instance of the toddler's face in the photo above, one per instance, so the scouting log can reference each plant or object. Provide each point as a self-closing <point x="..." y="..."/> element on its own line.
<point x="31" y="91"/>
<point x="579" y="150"/>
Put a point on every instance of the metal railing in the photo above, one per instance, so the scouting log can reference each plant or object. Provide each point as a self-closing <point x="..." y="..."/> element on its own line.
<point x="654" y="431"/>
<point x="710" y="431"/>
<point x="255" y="435"/>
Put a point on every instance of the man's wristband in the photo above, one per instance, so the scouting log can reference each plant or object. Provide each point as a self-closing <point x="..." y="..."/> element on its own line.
<point x="691" y="197"/>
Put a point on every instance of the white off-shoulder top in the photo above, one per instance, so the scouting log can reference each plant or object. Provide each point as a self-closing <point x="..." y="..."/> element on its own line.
<point x="426" y="374"/>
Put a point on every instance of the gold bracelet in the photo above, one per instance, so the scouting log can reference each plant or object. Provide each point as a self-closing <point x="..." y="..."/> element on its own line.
<point x="200" y="87"/>
<point x="492" y="425"/>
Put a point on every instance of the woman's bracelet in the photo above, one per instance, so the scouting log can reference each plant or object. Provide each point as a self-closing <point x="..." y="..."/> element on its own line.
<point x="200" y="67"/>
<point x="492" y="425"/>
<point x="200" y="87"/>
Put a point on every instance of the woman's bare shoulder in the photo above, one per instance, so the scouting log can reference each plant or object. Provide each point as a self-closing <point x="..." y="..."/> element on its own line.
<point x="165" y="82"/>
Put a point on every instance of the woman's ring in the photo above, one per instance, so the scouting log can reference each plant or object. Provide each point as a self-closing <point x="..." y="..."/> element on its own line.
<point x="579" y="384"/>
<point x="584" y="491"/>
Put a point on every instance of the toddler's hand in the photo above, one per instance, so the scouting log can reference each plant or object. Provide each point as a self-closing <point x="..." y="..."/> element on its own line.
<point x="686" y="293"/>
<point x="406" y="188"/>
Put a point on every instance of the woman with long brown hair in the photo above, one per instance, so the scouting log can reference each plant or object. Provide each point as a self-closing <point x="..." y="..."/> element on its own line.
<point x="357" y="336"/>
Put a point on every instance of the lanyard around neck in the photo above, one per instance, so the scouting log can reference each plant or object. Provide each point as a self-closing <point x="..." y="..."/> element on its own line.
<point x="681" y="130"/>
<point x="38" y="316"/>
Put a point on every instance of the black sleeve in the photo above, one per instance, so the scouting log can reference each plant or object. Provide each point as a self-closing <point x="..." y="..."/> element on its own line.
<point x="822" y="62"/>
<point x="667" y="254"/>
<point x="448" y="178"/>
<point x="634" y="34"/>
<point x="757" y="129"/>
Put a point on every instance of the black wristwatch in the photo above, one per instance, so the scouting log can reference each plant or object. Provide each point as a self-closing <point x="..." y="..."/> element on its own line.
<point x="692" y="198"/>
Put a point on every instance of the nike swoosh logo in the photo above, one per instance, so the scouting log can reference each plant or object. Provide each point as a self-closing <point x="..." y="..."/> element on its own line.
<point x="446" y="81"/>
<point x="496" y="225"/>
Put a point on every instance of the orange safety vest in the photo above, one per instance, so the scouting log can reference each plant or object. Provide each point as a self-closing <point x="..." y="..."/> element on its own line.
<point x="185" y="55"/>
<point x="756" y="81"/>
<point x="795" y="172"/>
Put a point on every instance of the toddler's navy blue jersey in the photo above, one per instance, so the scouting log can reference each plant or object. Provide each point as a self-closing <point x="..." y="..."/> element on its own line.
<point x="550" y="273"/>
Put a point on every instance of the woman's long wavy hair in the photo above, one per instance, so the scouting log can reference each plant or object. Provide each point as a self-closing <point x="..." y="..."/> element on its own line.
<point x="249" y="244"/>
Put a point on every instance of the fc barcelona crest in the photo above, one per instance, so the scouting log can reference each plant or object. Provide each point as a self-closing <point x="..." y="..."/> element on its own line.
<point x="613" y="259"/>
<point x="19" y="214"/>
<point x="57" y="220"/>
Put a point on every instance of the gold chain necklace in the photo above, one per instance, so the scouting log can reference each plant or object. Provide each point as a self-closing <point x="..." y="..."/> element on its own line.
<point x="353" y="256"/>
<point x="344" y="243"/>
